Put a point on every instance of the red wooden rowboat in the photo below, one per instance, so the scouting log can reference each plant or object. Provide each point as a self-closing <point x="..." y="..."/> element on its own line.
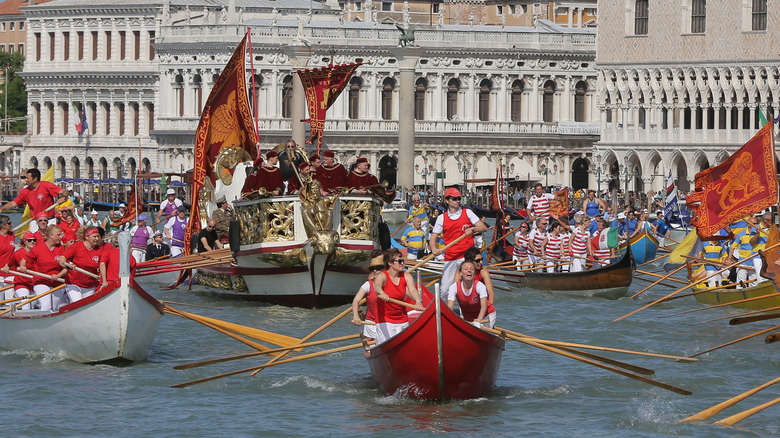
<point x="462" y="363"/>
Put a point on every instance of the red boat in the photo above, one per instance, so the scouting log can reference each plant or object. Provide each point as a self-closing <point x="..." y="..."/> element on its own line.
<point x="440" y="356"/>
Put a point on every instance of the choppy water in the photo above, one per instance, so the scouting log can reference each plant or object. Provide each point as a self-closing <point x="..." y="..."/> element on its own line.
<point x="538" y="393"/>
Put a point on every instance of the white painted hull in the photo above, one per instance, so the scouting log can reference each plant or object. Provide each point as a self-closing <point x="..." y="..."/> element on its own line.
<point x="118" y="324"/>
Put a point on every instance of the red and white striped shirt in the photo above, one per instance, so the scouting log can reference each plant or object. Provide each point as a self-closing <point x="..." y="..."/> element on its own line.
<point x="540" y="205"/>
<point x="602" y="254"/>
<point x="553" y="248"/>
<point x="537" y="238"/>
<point x="579" y="242"/>
<point x="521" y="245"/>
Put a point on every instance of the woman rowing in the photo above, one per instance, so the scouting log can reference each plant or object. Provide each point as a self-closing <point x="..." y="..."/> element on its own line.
<point x="368" y="291"/>
<point x="393" y="283"/>
<point x="471" y="296"/>
<point x="23" y="285"/>
<point x="580" y="243"/>
<point x="481" y="274"/>
<point x="44" y="259"/>
<point x="7" y="248"/>
<point x="522" y="247"/>
<point x="552" y="246"/>
<point x="84" y="255"/>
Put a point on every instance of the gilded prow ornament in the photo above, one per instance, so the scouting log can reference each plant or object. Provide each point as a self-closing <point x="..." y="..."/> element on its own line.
<point x="317" y="213"/>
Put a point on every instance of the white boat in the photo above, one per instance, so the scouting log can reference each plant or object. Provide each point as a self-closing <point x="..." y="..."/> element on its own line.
<point x="395" y="213"/>
<point x="284" y="258"/>
<point x="118" y="323"/>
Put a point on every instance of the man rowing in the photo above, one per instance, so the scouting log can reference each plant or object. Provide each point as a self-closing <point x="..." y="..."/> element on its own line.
<point x="539" y="203"/>
<point x="175" y="229"/>
<point x="39" y="195"/>
<point x="168" y="206"/>
<point x="418" y="210"/>
<point x="451" y="225"/>
<point x="7" y="248"/>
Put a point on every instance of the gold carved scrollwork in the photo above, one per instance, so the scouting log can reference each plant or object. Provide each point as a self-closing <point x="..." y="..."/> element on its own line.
<point x="285" y="259"/>
<point x="348" y="258"/>
<point x="206" y="196"/>
<point x="214" y="281"/>
<point x="359" y="220"/>
<point x="249" y="216"/>
<point x="277" y="221"/>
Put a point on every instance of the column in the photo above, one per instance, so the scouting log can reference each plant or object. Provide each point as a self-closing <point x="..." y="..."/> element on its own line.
<point x="408" y="58"/>
<point x="670" y="122"/>
<point x="681" y="126"/>
<point x="705" y="121"/>
<point x="659" y="123"/>
<point x="692" y="108"/>
<point x="567" y="113"/>
<point x="613" y="110"/>
<point x="470" y="109"/>
<point x="440" y="110"/>
<point x="502" y="109"/>
<point x="635" y="116"/>
<point x="624" y="114"/>
<point x="603" y="118"/>
<point x="535" y="97"/>
<point x="566" y="171"/>
<point x="740" y="120"/>
<point x="298" y="55"/>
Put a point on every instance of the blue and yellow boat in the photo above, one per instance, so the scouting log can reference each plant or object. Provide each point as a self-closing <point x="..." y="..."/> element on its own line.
<point x="644" y="246"/>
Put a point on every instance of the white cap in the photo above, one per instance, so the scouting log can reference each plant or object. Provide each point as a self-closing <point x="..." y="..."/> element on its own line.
<point x="122" y="206"/>
<point x="170" y="192"/>
<point x="94" y="212"/>
<point x="621" y="215"/>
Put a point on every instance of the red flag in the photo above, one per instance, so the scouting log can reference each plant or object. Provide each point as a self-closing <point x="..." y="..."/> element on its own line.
<point x="742" y="185"/>
<point x="226" y="121"/>
<point x="133" y="203"/>
<point x="559" y="205"/>
<point x="323" y="85"/>
<point x="497" y="197"/>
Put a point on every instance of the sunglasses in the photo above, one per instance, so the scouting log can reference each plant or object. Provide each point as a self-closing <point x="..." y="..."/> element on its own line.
<point x="208" y="227"/>
<point x="401" y="261"/>
<point x="376" y="268"/>
<point x="478" y="260"/>
<point x="454" y="198"/>
<point x="32" y="240"/>
<point x="43" y="220"/>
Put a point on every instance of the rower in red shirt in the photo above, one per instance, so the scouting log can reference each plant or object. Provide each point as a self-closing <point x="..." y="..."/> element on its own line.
<point x="7" y="248"/>
<point x="68" y="221"/>
<point x="23" y="285"/>
<point x="109" y="265"/>
<point x="39" y="195"/>
<point x="43" y="222"/>
<point x="44" y="258"/>
<point x="84" y="255"/>
<point x="391" y="318"/>
<point x="359" y="179"/>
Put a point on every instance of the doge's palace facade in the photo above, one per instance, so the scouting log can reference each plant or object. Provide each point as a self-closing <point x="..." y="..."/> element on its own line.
<point x="681" y="85"/>
<point x="142" y="71"/>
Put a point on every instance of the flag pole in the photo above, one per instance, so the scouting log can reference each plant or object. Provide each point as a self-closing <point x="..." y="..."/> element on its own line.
<point x="254" y="90"/>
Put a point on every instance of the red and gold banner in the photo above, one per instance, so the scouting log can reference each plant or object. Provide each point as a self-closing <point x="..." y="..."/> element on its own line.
<point x="226" y="121"/>
<point x="323" y="85"/>
<point x="744" y="184"/>
<point x="559" y="205"/>
<point x="497" y="197"/>
<point x="133" y="204"/>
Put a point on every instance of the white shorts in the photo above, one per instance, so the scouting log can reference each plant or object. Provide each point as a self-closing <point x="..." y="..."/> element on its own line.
<point x="76" y="293"/>
<point x="387" y="330"/>
<point x="369" y="331"/>
<point x="177" y="251"/>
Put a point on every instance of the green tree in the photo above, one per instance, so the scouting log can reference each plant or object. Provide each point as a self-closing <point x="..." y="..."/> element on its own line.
<point x="17" y="92"/>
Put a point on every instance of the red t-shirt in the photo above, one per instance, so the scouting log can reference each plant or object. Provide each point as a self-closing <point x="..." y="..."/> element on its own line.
<point x="110" y="256"/>
<point x="39" y="237"/>
<point x="19" y="281"/>
<point x="39" y="199"/>
<point x="72" y="227"/>
<point x="391" y="312"/>
<point x="86" y="259"/>
<point x="45" y="260"/>
<point x="7" y="248"/>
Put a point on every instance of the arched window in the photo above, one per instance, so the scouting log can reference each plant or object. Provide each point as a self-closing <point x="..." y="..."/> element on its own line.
<point x="516" y="100"/>
<point x="354" y="98"/>
<point x="452" y="99"/>
<point x="76" y="164"/>
<point x="61" y="167"/>
<point x="197" y="84"/>
<point x="484" y="100"/>
<point x="419" y="99"/>
<point x="90" y="167"/>
<point x="579" y="101"/>
<point x="255" y="92"/>
<point x="547" y="101"/>
<point x="287" y="91"/>
<point x="388" y="85"/>
<point x="178" y="88"/>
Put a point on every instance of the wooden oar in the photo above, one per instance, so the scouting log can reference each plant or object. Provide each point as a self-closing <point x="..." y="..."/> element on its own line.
<point x="251" y="332"/>
<point x="508" y="233"/>
<point x="745" y="320"/>
<point x="737" y="315"/>
<point x="652" y="274"/>
<point x="85" y="272"/>
<point x="403" y="225"/>
<point x="732" y="420"/>
<point x="270" y="363"/>
<point x="190" y="305"/>
<point x="16" y="228"/>
<point x="11" y="300"/>
<point x="710" y="412"/>
<point x="590" y="362"/>
<point x="30" y="300"/>
<point x="430" y="256"/>
<point x="6" y="288"/>
<point x="596" y="347"/>
<point x="42" y="275"/>
<point x="722" y="304"/>
<point x="706" y="289"/>
<point x="650" y="281"/>
<point x="604" y="359"/>
<point x="690" y="285"/>
<point x="238" y="338"/>
<point x="753" y="335"/>
<point x="257" y="353"/>
<point x="651" y="261"/>
<point x="502" y="264"/>
<point x="21" y="274"/>
<point x="771" y="339"/>
<point x="655" y="283"/>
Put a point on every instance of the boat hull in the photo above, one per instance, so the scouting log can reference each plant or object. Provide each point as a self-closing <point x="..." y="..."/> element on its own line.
<point x="720" y="296"/>
<point x="611" y="281"/>
<point x="644" y="247"/>
<point x="117" y="324"/>
<point x="409" y="362"/>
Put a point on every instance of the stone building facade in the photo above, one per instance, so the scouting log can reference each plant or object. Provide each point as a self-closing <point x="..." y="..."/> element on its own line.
<point x="142" y="70"/>
<point x="681" y="85"/>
